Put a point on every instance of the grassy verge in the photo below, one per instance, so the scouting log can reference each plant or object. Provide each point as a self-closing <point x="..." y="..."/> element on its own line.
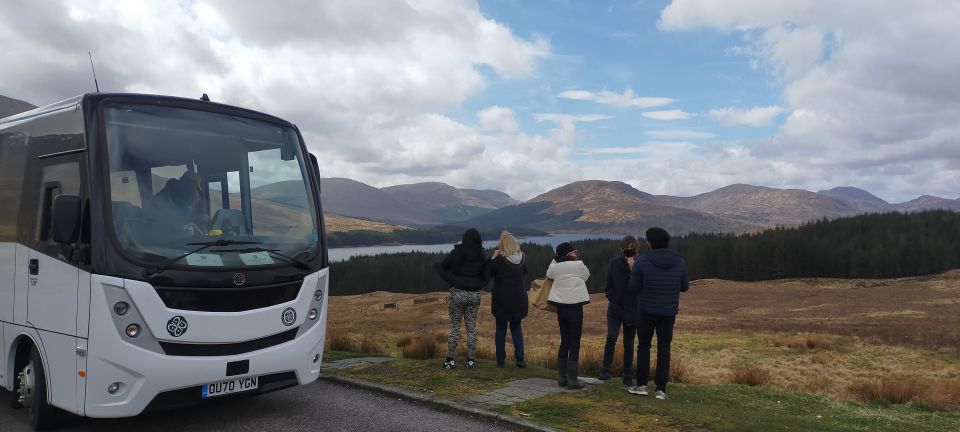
<point x="690" y="407"/>
<point x="333" y="355"/>
<point x="429" y="376"/>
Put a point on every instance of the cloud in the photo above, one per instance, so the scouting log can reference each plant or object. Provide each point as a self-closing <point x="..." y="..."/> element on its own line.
<point x="498" y="118"/>
<point x="627" y="99"/>
<point x="668" y="115"/>
<point x="570" y="118"/>
<point x="867" y="86"/>
<point x="679" y="134"/>
<point x="367" y="81"/>
<point x="659" y="148"/>
<point x="753" y="117"/>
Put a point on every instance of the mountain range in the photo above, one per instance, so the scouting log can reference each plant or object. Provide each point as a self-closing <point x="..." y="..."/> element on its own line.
<point x="592" y="206"/>
<point x="11" y="106"/>
<point x="596" y="206"/>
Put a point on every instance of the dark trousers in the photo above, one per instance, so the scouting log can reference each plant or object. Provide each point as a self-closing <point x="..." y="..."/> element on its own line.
<point x="663" y="325"/>
<point x="516" y="333"/>
<point x="616" y="318"/>
<point x="570" y="318"/>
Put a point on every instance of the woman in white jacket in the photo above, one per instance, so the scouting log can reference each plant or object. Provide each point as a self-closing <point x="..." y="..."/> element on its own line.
<point x="568" y="294"/>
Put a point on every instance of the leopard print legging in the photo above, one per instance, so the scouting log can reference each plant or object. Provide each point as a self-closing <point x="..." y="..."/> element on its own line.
<point x="463" y="305"/>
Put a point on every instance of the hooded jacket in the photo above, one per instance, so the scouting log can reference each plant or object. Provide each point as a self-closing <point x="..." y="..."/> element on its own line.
<point x="463" y="267"/>
<point x="658" y="278"/>
<point x="509" y="301"/>
<point x="569" y="283"/>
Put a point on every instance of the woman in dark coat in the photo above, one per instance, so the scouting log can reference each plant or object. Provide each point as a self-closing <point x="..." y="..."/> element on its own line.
<point x="509" y="305"/>
<point x="464" y="269"/>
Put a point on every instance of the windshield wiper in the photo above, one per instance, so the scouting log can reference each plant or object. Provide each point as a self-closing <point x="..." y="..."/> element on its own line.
<point x="203" y="246"/>
<point x="297" y="263"/>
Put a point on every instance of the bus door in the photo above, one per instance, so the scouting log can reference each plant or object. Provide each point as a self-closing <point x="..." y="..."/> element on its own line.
<point x="52" y="270"/>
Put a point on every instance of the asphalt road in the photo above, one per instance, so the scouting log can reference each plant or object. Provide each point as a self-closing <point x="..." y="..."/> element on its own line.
<point x="321" y="406"/>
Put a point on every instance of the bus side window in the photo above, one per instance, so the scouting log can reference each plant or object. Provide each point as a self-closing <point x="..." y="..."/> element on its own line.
<point x="13" y="156"/>
<point x="55" y="179"/>
<point x="50" y="191"/>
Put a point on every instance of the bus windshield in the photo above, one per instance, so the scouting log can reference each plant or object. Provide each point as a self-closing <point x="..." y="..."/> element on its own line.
<point x="181" y="177"/>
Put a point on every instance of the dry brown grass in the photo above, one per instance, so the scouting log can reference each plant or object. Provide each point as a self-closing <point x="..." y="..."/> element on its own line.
<point x="366" y="343"/>
<point x="894" y="390"/>
<point x="802" y="341"/>
<point x="750" y="375"/>
<point x="421" y="348"/>
<point x="821" y="357"/>
<point x="404" y="342"/>
<point x="943" y="395"/>
<point x="827" y="336"/>
<point x="484" y="350"/>
<point x="338" y="341"/>
<point x="369" y="344"/>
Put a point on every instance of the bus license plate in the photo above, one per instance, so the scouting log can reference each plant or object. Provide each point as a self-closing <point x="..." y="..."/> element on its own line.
<point x="236" y="385"/>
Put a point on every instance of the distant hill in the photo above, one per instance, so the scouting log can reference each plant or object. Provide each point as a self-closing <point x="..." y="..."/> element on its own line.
<point x="763" y="206"/>
<point x="859" y="198"/>
<point x="11" y="106"/>
<point x="604" y="207"/>
<point x="337" y="223"/>
<point x="447" y="203"/>
<point x="927" y="202"/>
<point x="352" y="198"/>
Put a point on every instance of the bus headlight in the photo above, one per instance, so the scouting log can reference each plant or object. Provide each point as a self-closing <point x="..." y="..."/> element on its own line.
<point x="312" y="314"/>
<point x="133" y="330"/>
<point x="121" y="308"/>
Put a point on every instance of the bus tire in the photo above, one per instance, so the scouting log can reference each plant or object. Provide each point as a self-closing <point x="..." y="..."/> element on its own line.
<point x="32" y="390"/>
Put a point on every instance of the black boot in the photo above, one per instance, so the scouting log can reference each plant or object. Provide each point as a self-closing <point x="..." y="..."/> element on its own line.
<point x="562" y="368"/>
<point x="572" y="382"/>
<point x="605" y="373"/>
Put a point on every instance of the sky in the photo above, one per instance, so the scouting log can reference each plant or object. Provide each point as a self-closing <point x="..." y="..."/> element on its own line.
<point x="673" y="97"/>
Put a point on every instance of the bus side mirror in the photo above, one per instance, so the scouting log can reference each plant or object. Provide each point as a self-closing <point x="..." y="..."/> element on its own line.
<point x="65" y="226"/>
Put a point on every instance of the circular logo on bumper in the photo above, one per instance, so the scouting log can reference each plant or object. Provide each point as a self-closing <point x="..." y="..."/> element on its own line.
<point x="289" y="316"/>
<point x="177" y="326"/>
<point x="239" y="279"/>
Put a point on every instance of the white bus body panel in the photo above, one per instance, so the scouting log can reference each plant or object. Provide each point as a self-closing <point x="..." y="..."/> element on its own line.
<point x="8" y="256"/>
<point x="145" y="374"/>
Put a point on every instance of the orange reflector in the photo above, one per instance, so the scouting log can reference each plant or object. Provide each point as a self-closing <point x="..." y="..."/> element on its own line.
<point x="82" y="373"/>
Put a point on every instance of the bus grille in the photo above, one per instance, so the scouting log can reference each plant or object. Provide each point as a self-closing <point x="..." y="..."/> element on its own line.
<point x="228" y="299"/>
<point x="208" y="350"/>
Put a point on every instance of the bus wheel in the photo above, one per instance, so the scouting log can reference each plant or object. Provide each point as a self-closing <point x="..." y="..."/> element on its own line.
<point x="32" y="393"/>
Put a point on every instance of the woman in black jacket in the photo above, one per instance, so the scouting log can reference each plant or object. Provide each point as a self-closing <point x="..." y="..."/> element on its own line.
<point x="509" y="305"/>
<point x="464" y="269"/>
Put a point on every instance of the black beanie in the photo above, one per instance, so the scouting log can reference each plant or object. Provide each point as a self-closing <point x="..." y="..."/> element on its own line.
<point x="562" y="250"/>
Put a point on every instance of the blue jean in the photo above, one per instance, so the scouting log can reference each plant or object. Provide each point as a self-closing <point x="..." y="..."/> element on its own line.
<point x="516" y="333"/>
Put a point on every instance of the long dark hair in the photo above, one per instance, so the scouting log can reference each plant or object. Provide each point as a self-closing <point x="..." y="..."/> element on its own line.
<point x="471" y="242"/>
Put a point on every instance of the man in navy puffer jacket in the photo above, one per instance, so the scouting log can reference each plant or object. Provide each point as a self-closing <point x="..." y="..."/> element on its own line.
<point x="658" y="277"/>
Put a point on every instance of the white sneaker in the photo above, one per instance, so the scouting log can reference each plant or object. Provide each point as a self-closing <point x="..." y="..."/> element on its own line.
<point x="639" y="390"/>
<point x="661" y="395"/>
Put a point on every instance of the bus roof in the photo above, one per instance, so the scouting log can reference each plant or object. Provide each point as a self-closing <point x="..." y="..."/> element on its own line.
<point x="74" y="103"/>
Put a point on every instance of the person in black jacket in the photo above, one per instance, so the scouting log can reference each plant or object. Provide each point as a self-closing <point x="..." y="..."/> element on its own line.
<point x="621" y="311"/>
<point x="658" y="277"/>
<point x="509" y="305"/>
<point x="464" y="268"/>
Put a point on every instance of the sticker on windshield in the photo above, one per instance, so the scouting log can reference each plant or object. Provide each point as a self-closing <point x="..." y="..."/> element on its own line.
<point x="205" y="260"/>
<point x="256" y="258"/>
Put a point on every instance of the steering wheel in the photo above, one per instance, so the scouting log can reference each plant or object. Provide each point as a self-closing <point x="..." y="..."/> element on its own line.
<point x="193" y="229"/>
